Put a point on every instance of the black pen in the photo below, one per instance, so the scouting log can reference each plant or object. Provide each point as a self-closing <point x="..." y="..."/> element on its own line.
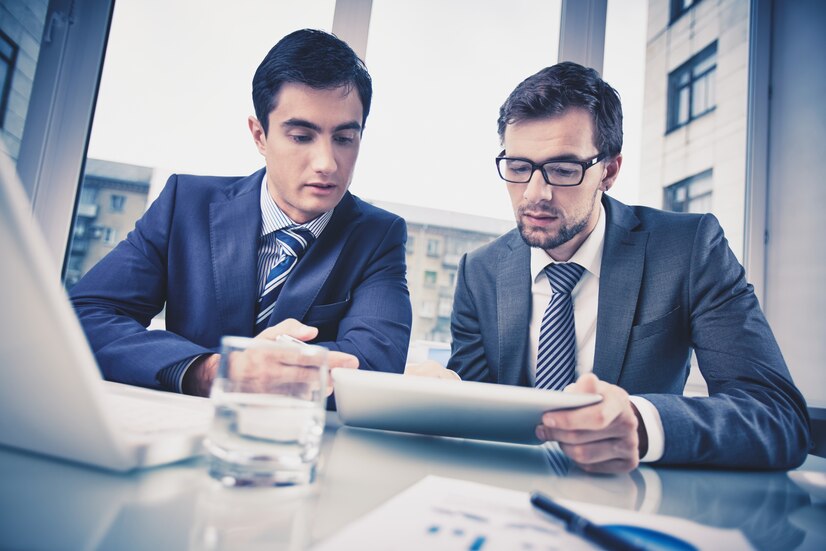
<point x="581" y="526"/>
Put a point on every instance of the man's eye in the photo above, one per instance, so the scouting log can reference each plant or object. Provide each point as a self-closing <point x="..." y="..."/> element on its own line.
<point x="344" y="139"/>
<point x="519" y="169"/>
<point x="300" y="138"/>
<point x="562" y="172"/>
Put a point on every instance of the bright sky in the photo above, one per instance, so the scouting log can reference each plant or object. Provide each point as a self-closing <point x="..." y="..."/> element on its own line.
<point x="175" y="92"/>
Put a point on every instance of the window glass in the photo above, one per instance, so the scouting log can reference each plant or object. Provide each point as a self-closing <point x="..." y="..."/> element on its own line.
<point x="624" y="69"/>
<point x="692" y="88"/>
<point x="176" y="103"/>
<point x="432" y="247"/>
<point x="693" y="194"/>
<point x="679" y="7"/>
<point x="117" y="202"/>
<point x="441" y="70"/>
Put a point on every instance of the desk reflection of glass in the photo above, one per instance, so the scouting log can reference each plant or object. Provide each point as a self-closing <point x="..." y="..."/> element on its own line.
<point x="229" y="519"/>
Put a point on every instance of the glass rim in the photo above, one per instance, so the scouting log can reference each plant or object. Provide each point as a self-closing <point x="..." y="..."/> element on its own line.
<point x="234" y="341"/>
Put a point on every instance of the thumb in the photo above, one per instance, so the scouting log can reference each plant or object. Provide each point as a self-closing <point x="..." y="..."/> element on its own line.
<point x="298" y="330"/>
<point x="587" y="383"/>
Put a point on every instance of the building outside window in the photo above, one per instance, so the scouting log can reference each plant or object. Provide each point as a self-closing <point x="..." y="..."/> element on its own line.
<point x="8" y="59"/>
<point x="679" y="7"/>
<point x="691" y="88"/>
<point x="410" y="246"/>
<point x="690" y="195"/>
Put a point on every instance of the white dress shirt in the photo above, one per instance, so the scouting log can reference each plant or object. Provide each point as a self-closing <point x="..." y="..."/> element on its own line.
<point x="585" y="296"/>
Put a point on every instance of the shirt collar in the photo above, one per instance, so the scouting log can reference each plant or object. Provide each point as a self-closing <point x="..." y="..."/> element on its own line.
<point x="273" y="218"/>
<point x="588" y="255"/>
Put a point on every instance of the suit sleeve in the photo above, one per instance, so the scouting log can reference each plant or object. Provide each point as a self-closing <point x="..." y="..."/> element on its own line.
<point x="376" y="327"/>
<point x="467" y="356"/>
<point x="116" y="300"/>
<point x="754" y="416"/>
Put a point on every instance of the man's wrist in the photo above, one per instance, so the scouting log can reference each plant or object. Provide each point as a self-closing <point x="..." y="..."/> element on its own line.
<point x="198" y="378"/>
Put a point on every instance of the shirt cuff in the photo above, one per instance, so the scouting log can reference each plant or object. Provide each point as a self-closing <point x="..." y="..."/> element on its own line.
<point x="172" y="377"/>
<point x="653" y="427"/>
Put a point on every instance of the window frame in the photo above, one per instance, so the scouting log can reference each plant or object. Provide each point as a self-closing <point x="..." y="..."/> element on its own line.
<point x="670" y="191"/>
<point x="677" y="10"/>
<point x="11" y="62"/>
<point x="675" y="87"/>
<point x="117" y="202"/>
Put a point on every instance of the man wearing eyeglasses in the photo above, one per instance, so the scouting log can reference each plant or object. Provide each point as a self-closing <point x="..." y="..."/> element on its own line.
<point x="591" y="295"/>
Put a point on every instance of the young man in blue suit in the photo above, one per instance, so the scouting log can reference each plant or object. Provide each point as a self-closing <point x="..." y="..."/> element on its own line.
<point x="207" y="247"/>
<point x="596" y="296"/>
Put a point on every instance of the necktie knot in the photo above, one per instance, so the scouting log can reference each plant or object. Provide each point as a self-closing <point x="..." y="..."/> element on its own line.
<point x="295" y="240"/>
<point x="563" y="277"/>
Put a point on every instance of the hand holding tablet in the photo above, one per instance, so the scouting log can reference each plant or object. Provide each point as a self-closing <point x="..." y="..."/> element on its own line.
<point x="439" y="407"/>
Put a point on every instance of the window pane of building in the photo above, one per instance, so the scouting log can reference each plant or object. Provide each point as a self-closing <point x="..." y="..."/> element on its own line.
<point x="691" y="86"/>
<point x="679" y="7"/>
<point x="693" y="194"/>
<point x="21" y="29"/>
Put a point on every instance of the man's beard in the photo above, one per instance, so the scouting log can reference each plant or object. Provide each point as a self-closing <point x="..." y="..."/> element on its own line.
<point x="546" y="241"/>
<point x="549" y="241"/>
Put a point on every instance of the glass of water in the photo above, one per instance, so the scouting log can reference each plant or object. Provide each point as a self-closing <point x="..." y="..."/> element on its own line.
<point x="270" y="399"/>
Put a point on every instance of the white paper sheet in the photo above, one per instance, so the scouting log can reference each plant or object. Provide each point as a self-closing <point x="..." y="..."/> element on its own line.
<point x="439" y="514"/>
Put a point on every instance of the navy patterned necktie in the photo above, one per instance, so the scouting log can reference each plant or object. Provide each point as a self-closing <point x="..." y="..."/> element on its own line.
<point x="556" y="360"/>
<point x="294" y="243"/>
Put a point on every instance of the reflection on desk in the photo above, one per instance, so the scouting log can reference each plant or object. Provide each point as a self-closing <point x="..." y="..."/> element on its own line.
<point x="47" y="504"/>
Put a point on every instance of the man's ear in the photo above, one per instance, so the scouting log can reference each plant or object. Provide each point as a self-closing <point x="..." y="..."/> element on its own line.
<point x="610" y="173"/>
<point x="258" y="134"/>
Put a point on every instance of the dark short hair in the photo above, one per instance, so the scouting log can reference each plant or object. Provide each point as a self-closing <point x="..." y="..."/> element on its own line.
<point x="555" y="89"/>
<point x="314" y="58"/>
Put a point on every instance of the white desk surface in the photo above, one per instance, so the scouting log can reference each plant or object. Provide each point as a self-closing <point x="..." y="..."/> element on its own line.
<point x="47" y="504"/>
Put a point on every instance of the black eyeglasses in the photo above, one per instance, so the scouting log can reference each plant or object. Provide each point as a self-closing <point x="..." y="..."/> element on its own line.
<point x="557" y="172"/>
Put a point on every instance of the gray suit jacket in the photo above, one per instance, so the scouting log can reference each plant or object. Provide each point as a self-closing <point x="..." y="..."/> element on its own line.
<point x="669" y="283"/>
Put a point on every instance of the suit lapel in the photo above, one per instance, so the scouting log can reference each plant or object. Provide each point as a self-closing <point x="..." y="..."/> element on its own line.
<point x="513" y="294"/>
<point x="623" y="260"/>
<point x="309" y="275"/>
<point x="235" y="224"/>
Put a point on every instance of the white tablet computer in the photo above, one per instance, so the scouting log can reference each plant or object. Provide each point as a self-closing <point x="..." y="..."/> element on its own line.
<point x="462" y="409"/>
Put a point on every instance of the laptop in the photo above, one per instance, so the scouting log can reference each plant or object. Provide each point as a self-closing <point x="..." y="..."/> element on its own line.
<point x="53" y="400"/>
<point x="439" y="407"/>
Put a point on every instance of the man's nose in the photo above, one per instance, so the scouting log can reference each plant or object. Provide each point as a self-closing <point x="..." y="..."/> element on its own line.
<point x="537" y="189"/>
<point x="324" y="160"/>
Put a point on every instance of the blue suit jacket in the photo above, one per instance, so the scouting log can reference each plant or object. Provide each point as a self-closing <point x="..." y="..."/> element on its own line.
<point x="195" y="250"/>
<point x="669" y="283"/>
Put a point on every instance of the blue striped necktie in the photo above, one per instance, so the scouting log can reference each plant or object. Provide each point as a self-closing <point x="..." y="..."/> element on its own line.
<point x="294" y="242"/>
<point x="556" y="360"/>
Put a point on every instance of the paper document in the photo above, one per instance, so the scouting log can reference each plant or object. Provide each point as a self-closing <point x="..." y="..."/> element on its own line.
<point x="447" y="514"/>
